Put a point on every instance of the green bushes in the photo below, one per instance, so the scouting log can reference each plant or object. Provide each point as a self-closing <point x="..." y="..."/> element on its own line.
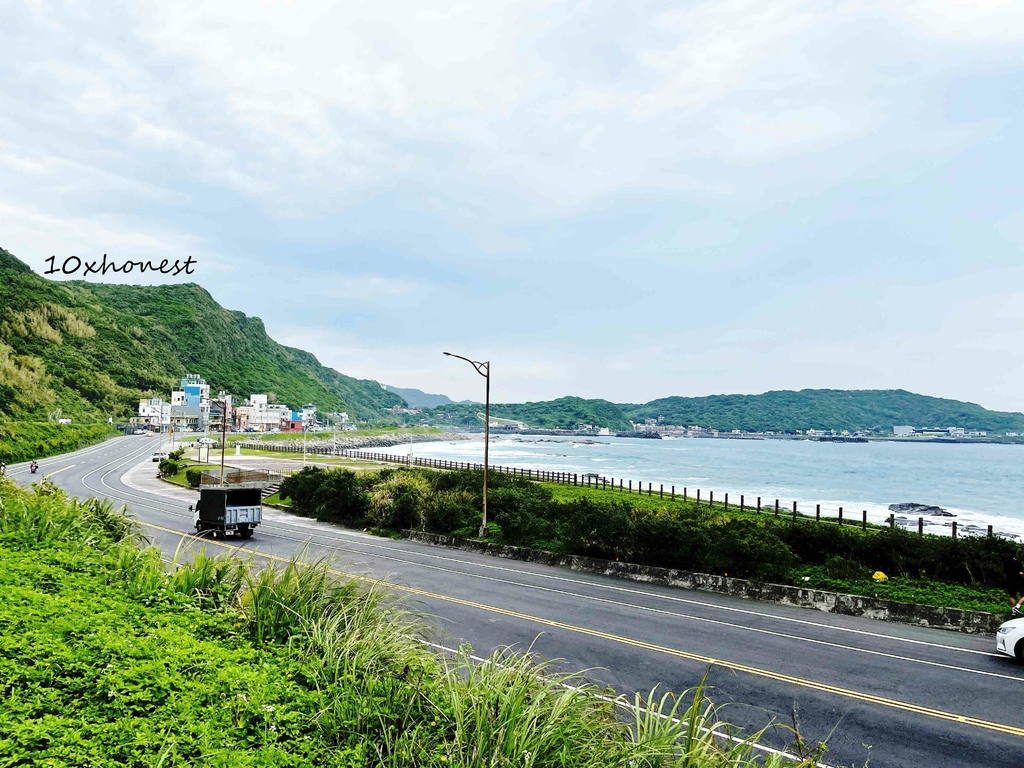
<point x="168" y="468"/>
<point x="28" y="440"/>
<point x="335" y="496"/>
<point x="194" y="477"/>
<point x="647" y="531"/>
<point x="400" y="501"/>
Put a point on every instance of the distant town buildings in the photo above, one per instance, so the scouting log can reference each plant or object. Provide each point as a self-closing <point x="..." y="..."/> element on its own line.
<point x="909" y="431"/>
<point x="192" y="409"/>
<point x="190" y="404"/>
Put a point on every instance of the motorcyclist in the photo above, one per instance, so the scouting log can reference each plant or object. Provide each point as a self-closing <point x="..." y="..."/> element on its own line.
<point x="33" y="466"/>
<point x="3" y="469"/>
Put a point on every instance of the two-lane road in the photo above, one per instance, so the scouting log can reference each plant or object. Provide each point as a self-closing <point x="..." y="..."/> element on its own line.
<point x="899" y="695"/>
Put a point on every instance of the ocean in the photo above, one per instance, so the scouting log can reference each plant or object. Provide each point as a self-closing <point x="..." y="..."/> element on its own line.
<point x="980" y="484"/>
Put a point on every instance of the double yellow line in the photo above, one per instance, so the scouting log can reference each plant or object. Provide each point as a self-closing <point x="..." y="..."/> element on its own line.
<point x="706" y="660"/>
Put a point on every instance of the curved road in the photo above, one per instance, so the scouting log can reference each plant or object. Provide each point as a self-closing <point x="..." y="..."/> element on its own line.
<point x="894" y="694"/>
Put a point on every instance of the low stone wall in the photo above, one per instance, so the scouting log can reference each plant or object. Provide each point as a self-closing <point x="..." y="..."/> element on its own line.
<point x="831" y="602"/>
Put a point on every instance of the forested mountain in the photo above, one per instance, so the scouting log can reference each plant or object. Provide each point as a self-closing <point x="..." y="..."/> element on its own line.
<point x="866" y="409"/>
<point x="782" y="411"/>
<point x="563" y="413"/>
<point x="417" y="398"/>
<point x="93" y="350"/>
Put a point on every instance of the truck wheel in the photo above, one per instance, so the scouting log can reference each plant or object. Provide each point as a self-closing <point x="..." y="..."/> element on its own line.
<point x="245" y="533"/>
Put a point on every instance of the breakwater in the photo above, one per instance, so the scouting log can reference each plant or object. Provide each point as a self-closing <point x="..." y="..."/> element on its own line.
<point x="352" y="442"/>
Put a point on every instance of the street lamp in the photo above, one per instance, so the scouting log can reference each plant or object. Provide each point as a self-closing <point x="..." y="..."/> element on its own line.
<point x="484" y="369"/>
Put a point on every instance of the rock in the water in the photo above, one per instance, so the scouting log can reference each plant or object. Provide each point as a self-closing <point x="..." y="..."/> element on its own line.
<point x="920" y="509"/>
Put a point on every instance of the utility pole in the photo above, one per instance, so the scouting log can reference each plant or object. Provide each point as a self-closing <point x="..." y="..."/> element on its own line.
<point x="223" y="435"/>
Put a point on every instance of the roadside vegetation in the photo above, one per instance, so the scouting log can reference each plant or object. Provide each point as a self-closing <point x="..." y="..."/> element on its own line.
<point x="28" y="440"/>
<point x="111" y="657"/>
<point x="931" y="570"/>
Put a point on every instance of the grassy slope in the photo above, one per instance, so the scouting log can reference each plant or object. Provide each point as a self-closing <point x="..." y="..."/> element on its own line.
<point x="94" y="349"/>
<point x="25" y="441"/>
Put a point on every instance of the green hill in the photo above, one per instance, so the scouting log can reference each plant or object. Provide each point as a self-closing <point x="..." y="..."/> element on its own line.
<point x="93" y="350"/>
<point x="867" y="409"/>
<point x="781" y="411"/>
<point x="563" y="413"/>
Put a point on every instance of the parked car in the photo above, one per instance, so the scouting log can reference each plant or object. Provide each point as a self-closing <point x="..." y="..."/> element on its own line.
<point x="159" y="456"/>
<point x="206" y="441"/>
<point x="1010" y="638"/>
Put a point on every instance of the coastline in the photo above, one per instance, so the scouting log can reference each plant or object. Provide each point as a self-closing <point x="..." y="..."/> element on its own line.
<point x="604" y="456"/>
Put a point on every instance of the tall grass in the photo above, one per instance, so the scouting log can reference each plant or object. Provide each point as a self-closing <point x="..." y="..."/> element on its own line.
<point x="45" y="516"/>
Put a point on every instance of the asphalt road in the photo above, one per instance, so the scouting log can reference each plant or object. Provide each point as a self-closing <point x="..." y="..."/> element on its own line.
<point x="897" y="695"/>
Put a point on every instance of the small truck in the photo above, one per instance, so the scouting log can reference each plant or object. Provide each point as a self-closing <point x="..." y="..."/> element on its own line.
<point x="229" y="510"/>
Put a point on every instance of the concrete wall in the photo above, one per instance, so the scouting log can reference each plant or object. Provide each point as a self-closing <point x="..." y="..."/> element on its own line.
<point x="831" y="602"/>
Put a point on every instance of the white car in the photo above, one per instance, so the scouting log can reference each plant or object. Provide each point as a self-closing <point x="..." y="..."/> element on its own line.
<point x="206" y="441"/>
<point x="1010" y="638"/>
<point x="159" y="456"/>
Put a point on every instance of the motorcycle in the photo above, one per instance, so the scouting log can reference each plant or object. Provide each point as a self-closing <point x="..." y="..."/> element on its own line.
<point x="33" y="467"/>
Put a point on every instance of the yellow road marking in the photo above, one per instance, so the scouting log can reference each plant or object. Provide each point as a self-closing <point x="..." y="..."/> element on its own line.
<point x="69" y="466"/>
<point x="708" y="660"/>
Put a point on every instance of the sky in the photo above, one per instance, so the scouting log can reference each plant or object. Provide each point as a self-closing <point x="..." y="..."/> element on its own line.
<point x="615" y="200"/>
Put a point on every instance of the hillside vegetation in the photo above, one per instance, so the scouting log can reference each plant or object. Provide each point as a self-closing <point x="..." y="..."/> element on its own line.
<point x="26" y="440"/>
<point x="837" y="409"/>
<point x="93" y="350"/>
<point x="563" y="413"/>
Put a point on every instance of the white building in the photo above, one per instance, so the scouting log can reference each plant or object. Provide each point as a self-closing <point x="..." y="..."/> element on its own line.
<point x="903" y="431"/>
<point x="258" y="414"/>
<point x="155" y="413"/>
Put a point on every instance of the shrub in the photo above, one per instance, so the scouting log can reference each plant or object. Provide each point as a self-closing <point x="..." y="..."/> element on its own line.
<point x="400" y="501"/>
<point x="334" y="496"/>
<point x="168" y="468"/>
<point x="177" y="454"/>
<point x="842" y="568"/>
<point x="194" y="477"/>
<point x="451" y="511"/>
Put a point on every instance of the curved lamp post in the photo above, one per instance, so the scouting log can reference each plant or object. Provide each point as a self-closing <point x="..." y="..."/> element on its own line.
<point x="484" y="369"/>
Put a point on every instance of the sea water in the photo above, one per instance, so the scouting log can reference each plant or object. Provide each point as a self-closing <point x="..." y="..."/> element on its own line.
<point x="980" y="484"/>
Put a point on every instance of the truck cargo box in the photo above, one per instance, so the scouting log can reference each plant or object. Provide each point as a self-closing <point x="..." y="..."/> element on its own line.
<point x="229" y="510"/>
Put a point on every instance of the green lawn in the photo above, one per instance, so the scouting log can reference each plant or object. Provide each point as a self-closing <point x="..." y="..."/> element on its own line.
<point x="180" y="479"/>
